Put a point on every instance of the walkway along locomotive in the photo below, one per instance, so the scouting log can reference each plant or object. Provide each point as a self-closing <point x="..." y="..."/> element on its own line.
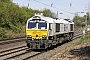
<point x="43" y="32"/>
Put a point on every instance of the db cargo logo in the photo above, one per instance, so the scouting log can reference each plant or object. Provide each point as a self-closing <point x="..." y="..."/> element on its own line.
<point x="34" y="32"/>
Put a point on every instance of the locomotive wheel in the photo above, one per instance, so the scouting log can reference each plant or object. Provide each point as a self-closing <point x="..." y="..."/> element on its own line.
<point x="71" y="37"/>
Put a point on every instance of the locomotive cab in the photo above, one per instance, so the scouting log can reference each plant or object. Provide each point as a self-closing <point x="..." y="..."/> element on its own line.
<point x="37" y="30"/>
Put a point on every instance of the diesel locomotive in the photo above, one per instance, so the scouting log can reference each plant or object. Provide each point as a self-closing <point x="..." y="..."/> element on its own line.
<point x="43" y="32"/>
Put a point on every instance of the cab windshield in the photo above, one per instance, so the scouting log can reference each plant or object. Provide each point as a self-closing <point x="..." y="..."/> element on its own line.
<point x="31" y="25"/>
<point x="42" y="25"/>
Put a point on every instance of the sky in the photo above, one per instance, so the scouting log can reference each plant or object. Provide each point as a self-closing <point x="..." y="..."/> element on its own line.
<point x="68" y="7"/>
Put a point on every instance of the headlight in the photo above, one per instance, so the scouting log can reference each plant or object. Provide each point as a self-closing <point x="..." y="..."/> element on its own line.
<point x="44" y="36"/>
<point x="29" y="36"/>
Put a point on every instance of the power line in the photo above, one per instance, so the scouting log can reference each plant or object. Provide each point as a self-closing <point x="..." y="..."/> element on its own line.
<point x="52" y="6"/>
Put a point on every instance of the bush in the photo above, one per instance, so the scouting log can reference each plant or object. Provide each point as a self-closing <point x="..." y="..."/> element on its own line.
<point x="2" y="34"/>
<point x="15" y="28"/>
<point x="84" y="39"/>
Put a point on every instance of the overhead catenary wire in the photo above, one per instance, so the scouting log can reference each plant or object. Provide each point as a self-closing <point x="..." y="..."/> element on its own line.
<point x="53" y="6"/>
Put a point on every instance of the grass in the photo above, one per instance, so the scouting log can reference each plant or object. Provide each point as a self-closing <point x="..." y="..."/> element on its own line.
<point x="84" y="39"/>
<point x="12" y="34"/>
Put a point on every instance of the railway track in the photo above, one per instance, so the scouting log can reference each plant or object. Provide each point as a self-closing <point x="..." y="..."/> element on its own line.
<point x="33" y="55"/>
<point x="23" y="53"/>
<point x="13" y="51"/>
<point x="77" y="36"/>
<point x="4" y="42"/>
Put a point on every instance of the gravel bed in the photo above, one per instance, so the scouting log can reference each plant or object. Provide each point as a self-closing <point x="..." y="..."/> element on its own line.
<point x="79" y="52"/>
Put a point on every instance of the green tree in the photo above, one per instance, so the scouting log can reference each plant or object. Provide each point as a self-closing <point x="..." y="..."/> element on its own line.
<point x="48" y="13"/>
<point x="79" y="21"/>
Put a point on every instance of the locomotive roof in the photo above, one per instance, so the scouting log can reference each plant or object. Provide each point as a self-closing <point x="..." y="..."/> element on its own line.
<point x="61" y="21"/>
<point x="49" y="20"/>
<point x="70" y="22"/>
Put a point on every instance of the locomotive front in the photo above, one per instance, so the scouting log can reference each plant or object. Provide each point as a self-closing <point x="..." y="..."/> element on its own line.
<point x="37" y="33"/>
